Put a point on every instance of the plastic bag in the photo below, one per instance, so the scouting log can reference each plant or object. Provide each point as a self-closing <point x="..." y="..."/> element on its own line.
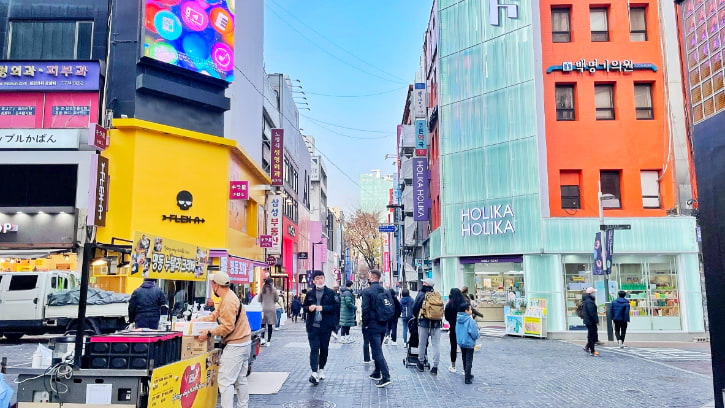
<point x="318" y="316"/>
<point x="6" y="393"/>
<point x="283" y="319"/>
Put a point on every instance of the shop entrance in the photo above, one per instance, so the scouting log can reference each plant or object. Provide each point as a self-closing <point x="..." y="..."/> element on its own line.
<point x="494" y="285"/>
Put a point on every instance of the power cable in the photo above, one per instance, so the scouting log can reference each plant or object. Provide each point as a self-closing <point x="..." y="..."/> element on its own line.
<point x="358" y="96"/>
<point x="343" y="127"/>
<point x="348" y="136"/>
<point x="331" y="54"/>
<point x="335" y="44"/>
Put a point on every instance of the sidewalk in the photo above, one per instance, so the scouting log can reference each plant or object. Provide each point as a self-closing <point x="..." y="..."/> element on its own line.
<point x="510" y="372"/>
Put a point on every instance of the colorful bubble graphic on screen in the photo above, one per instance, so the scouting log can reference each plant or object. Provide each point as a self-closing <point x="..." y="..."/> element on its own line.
<point x="197" y="35"/>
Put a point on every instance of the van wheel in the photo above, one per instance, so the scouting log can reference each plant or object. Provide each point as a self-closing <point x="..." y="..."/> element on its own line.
<point x="13" y="336"/>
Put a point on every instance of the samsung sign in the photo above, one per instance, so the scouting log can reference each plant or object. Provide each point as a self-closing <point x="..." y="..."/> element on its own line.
<point x="488" y="220"/>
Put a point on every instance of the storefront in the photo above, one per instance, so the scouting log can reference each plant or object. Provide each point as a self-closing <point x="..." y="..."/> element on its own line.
<point x="494" y="281"/>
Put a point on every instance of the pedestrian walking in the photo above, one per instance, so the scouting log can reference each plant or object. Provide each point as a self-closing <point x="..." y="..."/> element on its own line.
<point x="365" y="336"/>
<point x="322" y="311"/>
<point x="296" y="307"/>
<point x="268" y="298"/>
<point x="378" y="308"/>
<point x="471" y="299"/>
<point x="146" y="305"/>
<point x="406" y="312"/>
<point x="456" y="300"/>
<point x="347" y="312"/>
<point x="591" y="320"/>
<point x="619" y="310"/>
<point x="236" y="335"/>
<point x="280" y="304"/>
<point x="429" y="309"/>
<point x="391" y="334"/>
<point x="466" y="336"/>
<point x="336" y="331"/>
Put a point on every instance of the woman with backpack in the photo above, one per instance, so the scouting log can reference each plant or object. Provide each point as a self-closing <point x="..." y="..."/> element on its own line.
<point x="456" y="301"/>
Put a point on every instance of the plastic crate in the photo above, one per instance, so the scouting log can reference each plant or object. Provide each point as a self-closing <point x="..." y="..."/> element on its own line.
<point x="255" y="319"/>
<point x="133" y="350"/>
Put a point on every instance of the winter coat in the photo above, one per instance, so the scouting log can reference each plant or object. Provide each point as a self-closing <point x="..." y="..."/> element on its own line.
<point x="269" y="305"/>
<point x="370" y="323"/>
<point x="423" y="322"/>
<point x="466" y="330"/>
<point x="330" y="309"/>
<point x="619" y="310"/>
<point x="406" y="306"/>
<point x="590" y="310"/>
<point x="146" y="302"/>
<point x="347" y="308"/>
<point x="296" y="306"/>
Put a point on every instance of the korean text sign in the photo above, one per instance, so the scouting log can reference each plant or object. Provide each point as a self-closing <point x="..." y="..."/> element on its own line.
<point x="240" y="270"/>
<point x="194" y="35"/>
<point x="239" y="190"/>
<point x="420" y="189"/>
<point x="277" y="157"/>
<point x="162" y="258"/>
<point x="187" y="383"/>
<point x="49" y="76"/>
<point x="274" y="223"/>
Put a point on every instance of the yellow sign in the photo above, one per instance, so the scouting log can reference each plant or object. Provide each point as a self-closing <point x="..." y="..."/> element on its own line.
<point x="187" y="383"/>
<point x="161" y="258"/>
<point x="532" y="325"/>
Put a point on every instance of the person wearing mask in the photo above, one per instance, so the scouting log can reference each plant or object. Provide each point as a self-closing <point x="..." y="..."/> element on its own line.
<point x="268" y="298"/>
<point x="146" y="306"/>
<point x="375" y="326"/>
<point x="406" y="312"/>
<point x="619" y="310"/>
<point x="322" y="312"/>
<point x="236" y="334"/>
<point x="429" y="309"/>
<point x="591" y="320"/>
<point x="456" y="300"/>
<point x="347" y="312"/>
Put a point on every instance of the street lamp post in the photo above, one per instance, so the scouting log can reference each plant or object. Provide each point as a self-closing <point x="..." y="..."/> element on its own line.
<point x="606" y="267"/>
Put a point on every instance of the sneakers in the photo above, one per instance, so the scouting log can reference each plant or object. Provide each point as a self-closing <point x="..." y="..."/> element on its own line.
<point x="366" y="361"/>
<point x="269" y="343"/>
<point x="276" y="328"/>
<point x="393" y="343"/>
<point x="420" y="366"/>
<point x="469" y="380"/>
<point x="383" y="382"/>
<point x="452" y="369"/>
<point x="376" y="376"/>
<point x="314" y="378"/>
<point x="434" y="371"/>
<point x="594" y="354"/>
<point x="321" y="373"/>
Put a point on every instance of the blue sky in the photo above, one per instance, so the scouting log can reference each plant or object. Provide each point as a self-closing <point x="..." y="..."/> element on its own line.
<point x="348" y="48"/>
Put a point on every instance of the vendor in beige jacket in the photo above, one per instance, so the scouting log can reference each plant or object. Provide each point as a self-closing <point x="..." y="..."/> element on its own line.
<point x="236" y="333"/>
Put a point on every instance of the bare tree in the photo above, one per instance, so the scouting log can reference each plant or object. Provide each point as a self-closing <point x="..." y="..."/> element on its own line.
<point x="362" y="236"/>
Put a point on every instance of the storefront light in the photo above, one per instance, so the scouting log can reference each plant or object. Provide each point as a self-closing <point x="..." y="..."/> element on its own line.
<point x="100" y="261"/>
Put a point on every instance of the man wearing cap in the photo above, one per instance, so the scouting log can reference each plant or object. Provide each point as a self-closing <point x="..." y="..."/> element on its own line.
<point x="236" y="334"/>
<point x="322" y="312"/>
<point x="427" y="328"/>
<point x="591" y="320"/>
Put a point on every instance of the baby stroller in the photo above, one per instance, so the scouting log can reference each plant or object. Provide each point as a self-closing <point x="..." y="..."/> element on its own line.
<point x="411" y="356"/>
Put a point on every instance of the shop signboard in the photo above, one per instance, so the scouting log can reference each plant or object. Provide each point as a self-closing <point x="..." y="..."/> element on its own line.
<point x="315" y="169"/>
<point x="187" y="383"/>
<point x="98" y="137"/>
<point x="274" y="223"/>
<point x="155" y="257"/>
<point x="239" y="190"/>
<point x="98" y="192"/>
<point x="515" y="325"/>
<point x="240" y="270"/>
<point x="420" y="189"/>
<point x="45" y="139"/>
<point x="277" y="157"/>
<point x="419" y="102"/>
<point x="48" y="110"/>
<point x="421" y="137"/>
<point x="49" y="76"/>
<point x="265" y="241"/>
<point x="197" y="36"/>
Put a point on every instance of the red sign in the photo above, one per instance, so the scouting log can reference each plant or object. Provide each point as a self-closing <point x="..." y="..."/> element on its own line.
<point x="271" y="260"/>
<point x="277" y="157"/>
<point x="240" y="270"/>
<point x="386" y="261"/>
<point x="52" y="110"/>
<point x="421" y="152"/>
<point x="239" y="190"/>
<point x="98" y="137"/>
<point x="266" y="241"/>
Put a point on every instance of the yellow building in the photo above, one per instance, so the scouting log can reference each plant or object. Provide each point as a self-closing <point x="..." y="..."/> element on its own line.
<point x="175" y="183"/>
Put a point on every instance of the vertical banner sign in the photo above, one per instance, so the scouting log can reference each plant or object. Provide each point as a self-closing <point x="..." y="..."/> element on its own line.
<point x="420" y="189"/>
<point x="419" y="102"/>
<point x="277" y="157"/>
<point x="421" y="137"/>
<point x="609" y="242"/>
<point x="598" y="267"/>
<point x="98" y="192"/>
<point x="386" y="252"/>
<point x="274" y="223"/>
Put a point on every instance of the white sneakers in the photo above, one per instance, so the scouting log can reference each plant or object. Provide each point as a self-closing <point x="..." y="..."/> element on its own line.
<point x="321" y="373"/>
<point x="314" y="378"/>
<point x="452" y="369"/>
<point x="393" y="343"/>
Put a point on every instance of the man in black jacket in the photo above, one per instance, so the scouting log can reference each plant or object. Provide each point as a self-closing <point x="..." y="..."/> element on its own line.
<point x="591" y="320"/>
<point x="375" y="329"/>
<point x="322" y="310"/>
<point x="146" y="304"/>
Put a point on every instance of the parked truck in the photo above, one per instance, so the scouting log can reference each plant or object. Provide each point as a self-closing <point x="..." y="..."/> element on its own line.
<point x="25" y="308"/>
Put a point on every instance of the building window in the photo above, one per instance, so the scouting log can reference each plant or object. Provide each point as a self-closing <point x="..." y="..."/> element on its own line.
<point x="637" y="24"/>
<point x="643" y="101"/>
<point x="650" y="188"/>
<point x="570" y="191"/>
<point x="604" y="100"/>
<point x="599" y="24"/>
<point x="611" y="194"/>
<point x="560" y="27"/>
<point x="565" y="102"/>
<point x="50" y="40"/>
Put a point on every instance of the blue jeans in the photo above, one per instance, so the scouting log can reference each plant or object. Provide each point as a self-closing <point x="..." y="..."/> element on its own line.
<point x="279" y="317"/>
<point x="405" y="328"/>
<point x="376" y="345"/>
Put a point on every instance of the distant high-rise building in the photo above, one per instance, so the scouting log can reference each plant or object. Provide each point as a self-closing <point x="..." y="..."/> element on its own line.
<point x="375" y="192"/>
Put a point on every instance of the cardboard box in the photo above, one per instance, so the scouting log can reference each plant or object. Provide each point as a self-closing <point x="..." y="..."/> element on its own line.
<point x="200" y="327"/>
<point x="192" y="347"/>
<point x="184" y="327"/>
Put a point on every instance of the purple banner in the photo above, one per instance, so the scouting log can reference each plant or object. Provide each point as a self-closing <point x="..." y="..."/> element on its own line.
<point x="492" y="259"/>
<point x="609" y="234"/>
<point x="598" y="267"/>
<point x="49" y="76"/>
<point x="420" y="189"/>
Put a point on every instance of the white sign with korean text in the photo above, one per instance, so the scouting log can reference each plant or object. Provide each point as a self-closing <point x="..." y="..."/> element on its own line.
<point x="315" y="169"/>
<point x="419" y="100"/>
<point x="274" y="223"/>
<point x="40" y="138"/>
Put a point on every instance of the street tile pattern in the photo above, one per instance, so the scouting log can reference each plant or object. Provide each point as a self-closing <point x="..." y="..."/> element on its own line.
<point x="665" y="354"/>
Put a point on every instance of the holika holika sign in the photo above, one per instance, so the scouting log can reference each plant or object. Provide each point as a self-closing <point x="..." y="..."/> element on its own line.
<point x="487" y="220"/>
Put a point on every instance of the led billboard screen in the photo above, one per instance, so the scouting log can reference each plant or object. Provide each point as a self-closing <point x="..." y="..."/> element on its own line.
<point x="197" y="35"/>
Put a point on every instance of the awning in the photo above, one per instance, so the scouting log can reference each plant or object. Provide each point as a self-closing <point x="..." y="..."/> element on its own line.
<point x="31" y="253"/>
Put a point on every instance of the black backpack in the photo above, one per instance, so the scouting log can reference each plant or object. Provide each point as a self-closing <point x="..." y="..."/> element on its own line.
<point x="384" y="305"/>
<point x="580" y="310"/>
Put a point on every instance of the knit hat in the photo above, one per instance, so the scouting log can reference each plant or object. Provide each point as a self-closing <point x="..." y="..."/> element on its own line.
<point x="429" y="282"/>
<point x="590" y="290"/>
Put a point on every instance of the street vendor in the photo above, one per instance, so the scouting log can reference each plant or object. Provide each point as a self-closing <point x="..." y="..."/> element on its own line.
<point x="146" y="305"/>
<point x="236" y="335"/>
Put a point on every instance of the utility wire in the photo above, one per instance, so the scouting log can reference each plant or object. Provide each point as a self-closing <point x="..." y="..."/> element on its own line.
<point x="349" y="136"/>
<point x="344" y="127"/>
<point x="335" y="44"/>
<point x="331" y="54"/>
<point x="358" y="96"/>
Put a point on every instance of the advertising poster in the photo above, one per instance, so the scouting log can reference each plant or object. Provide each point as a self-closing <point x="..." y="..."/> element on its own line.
<point x="598" y="261"/>
<point x="70" y="109"/>
<point x="21" y="110"/>
<point x="161" y="258"/>
<point x="194" y="35"/>
<point x="532" y="325"/>
<point x="515" y="325"/>
<point x="186" y="384"/>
